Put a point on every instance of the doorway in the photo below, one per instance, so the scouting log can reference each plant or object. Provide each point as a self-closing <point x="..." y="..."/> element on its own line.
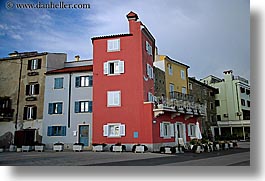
<point x="84" y="134"/>
<point x="180" y="132"/>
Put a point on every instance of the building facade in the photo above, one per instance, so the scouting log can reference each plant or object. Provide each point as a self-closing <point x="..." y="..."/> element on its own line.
<point x="176" y="74"/>
<point x="22" y="90"/>
<point x="232" y="103"/>
<point x="68" y="105"/>
<point x="125" y="109"/>
<point x="205" y="95"/>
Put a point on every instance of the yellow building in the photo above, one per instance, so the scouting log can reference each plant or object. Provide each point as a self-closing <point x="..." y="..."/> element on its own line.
<point x="176" y="75"/>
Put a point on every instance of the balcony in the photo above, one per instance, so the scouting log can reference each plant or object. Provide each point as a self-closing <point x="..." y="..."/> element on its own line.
<point x="180" y="104"/>
<point x="6" y="114"/>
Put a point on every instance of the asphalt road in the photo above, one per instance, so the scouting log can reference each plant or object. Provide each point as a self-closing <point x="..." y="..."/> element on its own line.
<point x="232" y="157"/>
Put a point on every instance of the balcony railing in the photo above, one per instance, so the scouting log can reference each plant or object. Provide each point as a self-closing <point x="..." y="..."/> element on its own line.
<point x="182" y="104"/>
<point x="181" y="96"/>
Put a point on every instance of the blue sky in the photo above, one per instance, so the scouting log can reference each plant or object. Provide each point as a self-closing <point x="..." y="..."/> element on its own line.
<point x="208" y="35"/>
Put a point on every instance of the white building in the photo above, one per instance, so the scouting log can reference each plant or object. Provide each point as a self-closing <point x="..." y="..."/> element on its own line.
<point x="68" y="105"/>
<point x="232" y="104"/>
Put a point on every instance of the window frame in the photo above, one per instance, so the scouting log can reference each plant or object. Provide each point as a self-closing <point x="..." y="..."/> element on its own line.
<point x="51" y="132"/>
<point x="87" y="106"/>
<point x="32" y="89"/>
<point x="84" y="81"/>
<point x="148" y="48"/>
<point x="182" y="74"/>
<point x="53" y="108"/>
<point x="167" y="130"/>
<point x="120" y="132"/>
<point x="171" y="85"/>
<point x="170" y="69"/>
<point x="113" y="45"/>
<point x="120" y="67"/>
<point x="34" y="64"/>
<point x="58" y="81"/>
<point x="112" y="93"/>
<point x="30" y="113"/>
<point x="191" y="129"/>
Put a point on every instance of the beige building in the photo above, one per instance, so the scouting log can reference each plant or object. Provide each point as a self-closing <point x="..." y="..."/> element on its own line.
<point x="22" y="77"/>
<point x="232" y="103"/>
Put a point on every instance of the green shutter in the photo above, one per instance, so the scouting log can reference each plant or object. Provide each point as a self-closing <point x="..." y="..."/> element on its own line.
<point x="50" y="109"/>
<point x="63" y="131"/>
<point x="49" y="131"/>
<point x="77" y="81"/>
<point x="77" y="107"/>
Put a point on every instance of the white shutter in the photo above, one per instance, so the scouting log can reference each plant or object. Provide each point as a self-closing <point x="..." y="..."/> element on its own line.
<point x="189" y="131"/>
<point x="147" y="70"/>
<point x="121" y="67"/>
<point x="152" y="72"/>
<point x="162" y="130"/>
<point x="172" y="134"/>
<point x="116" y="98"/>
<point x="117" y="44"/>
<point x="122" y="130"/>
<point x="146" y="45"/>
<point x="184" y="132"/>
<point x="110" y="45"/>
<point x="105" y="130"/>
<point x="106" y="68"/>
<point x="110" y="98"/>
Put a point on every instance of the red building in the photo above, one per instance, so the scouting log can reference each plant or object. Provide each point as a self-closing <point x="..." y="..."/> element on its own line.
<point x="123" y="89"/>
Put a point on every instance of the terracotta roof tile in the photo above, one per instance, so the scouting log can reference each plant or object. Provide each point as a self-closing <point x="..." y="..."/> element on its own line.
<point x="71" y="69"/>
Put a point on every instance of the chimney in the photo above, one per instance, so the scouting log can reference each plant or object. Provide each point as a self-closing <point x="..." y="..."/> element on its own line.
<point x="77" y="57"/>
<point x="132" y="16"/>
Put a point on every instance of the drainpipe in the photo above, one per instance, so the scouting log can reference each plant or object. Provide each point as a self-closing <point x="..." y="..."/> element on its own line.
<point x="69" y="101"/>
<point x="18" y="94"/>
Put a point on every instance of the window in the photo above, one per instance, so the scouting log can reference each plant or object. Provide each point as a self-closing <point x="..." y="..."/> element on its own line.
<point x="171" y="87"/>
<point x="84" y="81"/>
<point x="55" y="108"/>
<point x="58" y="83"/>
<point x="248" y="103"/>
<point x="247" y="91"/>
<point x="5" y="103"/>
<point x="113" y="67"/>
<point x="190" y="86"/>
<point x="211" y="105"/>
<point x="170" y="69"/>
<point x="191" y="129"/>
<point x="34" y="64"/>
<point x="184" y="90"/>
<point x="212" y="93"/>
<point x="114" y="130"/>
<point x="182" y="75"/>
<point x="166" y="130"/>
<point x="218" y="117"/>
<point x="151" y="98"/>
<point x="217" y="103"/>
<point x="149" y="71"/>
<point x="56" y="131"/>
<point x="30" y="112"/>
<point x="114" y="98"/>
<point x="113" y="45"/>
<point x="242" y="90"/>
<point x="32" y="89"/>
<point x="83" y="106"/>
<point x="148" y="48"/>
<point x="243" y="102"/>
